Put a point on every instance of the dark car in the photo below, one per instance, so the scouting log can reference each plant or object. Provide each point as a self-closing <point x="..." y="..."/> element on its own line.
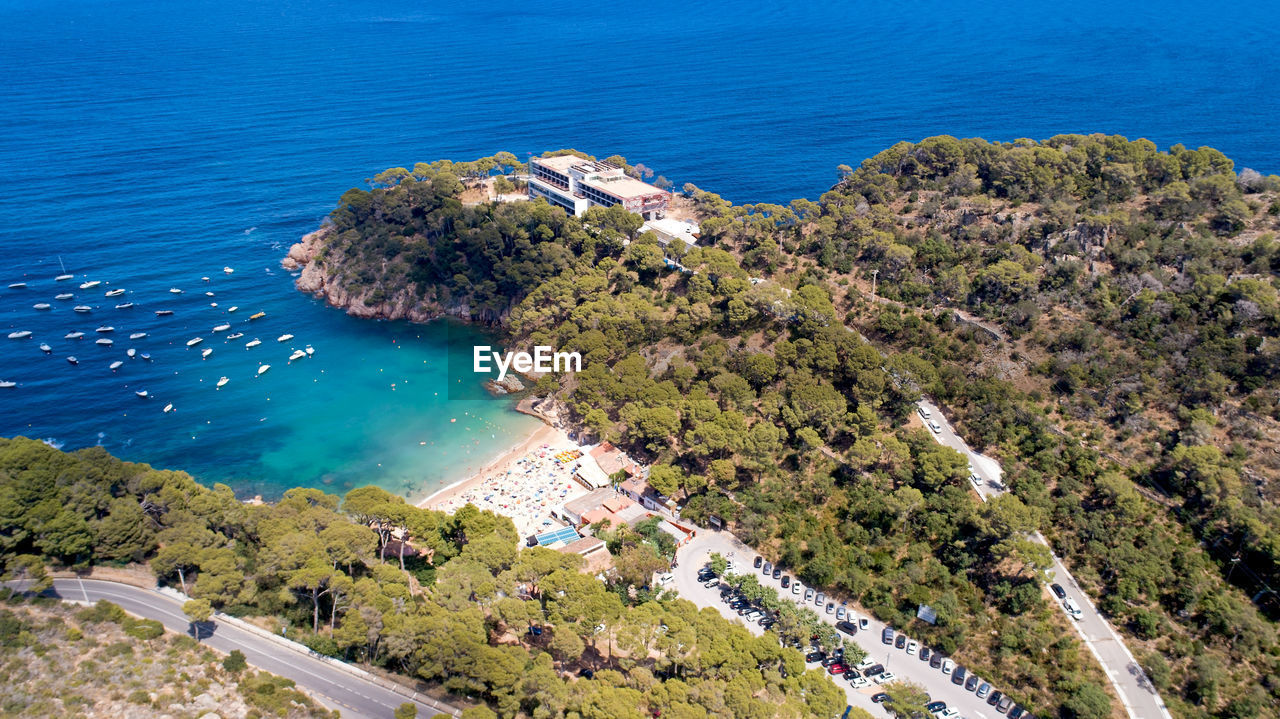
<point x="935" y="707"/>
<point x="900" y="642"/>
<point x="786" y="582"/>
<point x="847" y="627"/>
<point x="873" y="670"/>
<point x="850" y="674"/>
<point x="815" y="656"/>
<point x="879" y="698"/>
<point x="886" y="635"/>
<point x="1058" y="590"/>
<point x="935" y="661"/>
<point x="995" y="698"/>
<point x="925" y="652"/>
<point x="1017" y="713"/>
<point x="535" y="630"/>
<point x="957" y="676"/>
<point x="831" y="659"/>
<point x="757" y="562"/>
<point x="971" y="683"/>
<point x="768" y="569"/>
<point x="777" y="573"/>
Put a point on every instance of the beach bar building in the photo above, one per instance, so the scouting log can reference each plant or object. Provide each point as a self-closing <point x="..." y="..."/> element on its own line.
<point x="577" y="184"/>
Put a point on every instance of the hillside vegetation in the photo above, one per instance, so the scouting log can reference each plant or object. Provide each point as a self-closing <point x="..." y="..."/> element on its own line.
<point x="1099" y="314"/>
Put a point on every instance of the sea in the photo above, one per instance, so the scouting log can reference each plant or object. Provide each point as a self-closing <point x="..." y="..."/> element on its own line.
<point x="150" y="145"/>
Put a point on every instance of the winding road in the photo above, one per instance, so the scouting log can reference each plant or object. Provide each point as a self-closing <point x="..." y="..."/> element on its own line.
<point x="350" y="690"/>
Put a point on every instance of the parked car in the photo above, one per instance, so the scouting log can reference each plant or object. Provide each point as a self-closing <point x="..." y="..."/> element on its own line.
<point x="860" y="682"/>
<point x="866" y="663"/>
<point x="776" y="573"/>
<point x="957" y="676"/>
<point x="948" y="713"/>
<point x="873" y="671"/>
<point x="971" y="683"/>
<point x="830" y="659"/>
<point x="937" y="428"/>
<point x="900" y="641"/>
<point x="835" y="669"/>
<point x="863" y="623"/>
<point x="879" y="698"/>
<point x="831" y="607"/>
<point x="812" y="657"/>
<point x="924" y="413"/>
<point x="808" y="593"/>
<point x="935" y="706"/>
<point x="886" y="635"/>
<point x="1004" y="705"/>
<point x="1017" y="712"/>
<point x="767" y="569"/>
<point x="912" y="646"/>
<point x="820" y="599"/>
<point x="947" y="666"/>
<point x="797" y="588"/>
<point x="850" y="674"/>
<point x="786" y="581"/>
<point x="1058" y="590"/>
<point x="925" y="653"/>
<point x="935" y="661"/>
<point x="757" y="562"/>
<point x="711" y="583"/>
<point x="704" y="574"/>
<point x="995" y="698"/>
<point x="840" y="613"/>
<point x="885" y="678"/>
<point x="983" y="689"/>
<point x="1072" y="610"/>
<point x="847" y="627"/>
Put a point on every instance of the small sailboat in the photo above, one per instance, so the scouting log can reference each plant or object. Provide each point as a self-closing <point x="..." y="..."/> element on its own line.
<point x="310" y="350"/>
<point x="227" y="270"/>
<point x="297" y="355"/>
<point x="284" y="338"/>
<point x="233" y="308"/>
<point x="90" y="285"/>
<point x="175" y="290"/>
<point x="194" y="341"/>
<point x="64" y="296"/>
<point x="64" y="276"/>
<point x="208" y="294"/>
<point x="124" y="305"/>
<point x="20" y="335"/>
<point x="83" y="308"/>
<point x="163" y="313"/>
<point x="105" y="328"/>
<point x="145" y="356"/>
<point x="131" y="352"/>
<point x="222" y="328"/>
<point x="41" y="306"/>
<point x="73" y="335"/>
<point x="73" y="360"/>
<point x="116" y="365"/>
<point x="213" y="304"/>
<point x="222" y="381"/>
<point x="18" y="286"/>
<point x="252" y="343"/>
<point x="143" y="393"/>
<point x="7" y="384"/>
<point x="105" y="342"/>
<point x="45" y="348"/>
<point x="263" y="369"/>
<point x="137" y="335"/>
<point x="206" y="279"/>
<point x="168" y="408"/>
<point x="205" y="353"/>
<point x="114" y="293"/>
<point x="235" y="335"/>
<point x="258" y="316"/>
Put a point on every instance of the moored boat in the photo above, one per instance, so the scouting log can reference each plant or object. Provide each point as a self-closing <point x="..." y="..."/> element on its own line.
<point x="222" y="381"/>
<point x="145" y="356"/>
<point x="116" y="365"/>
<point x="6" y="384"/>
<point x="227" y="270"/>
<point x="90" y="284"/>
<point x="45" y="348"/>
<point x="263" y="369"/>
<point x="222" y="328"/>
<point x="124" y="305"/>
<point x="63" y="278"/>
<point x="18" y="286"/>
<point x="105" y="328"/>
<point x="194" y="341"/>
<point x="233" y="308"/>
<point x="175" y="290"/>
<point x="284" y="338"/>
<point x="208" y="294"/>
<point x="20" y="335"/>
<point x="163" y="313"/>
<point x="41" y="306"/>
<point x="83" y="308"/>
<point x="73" y="360"/>
<point x="297" y="355"/>
<point x="131" y="352"/>
<point x="137" y="335"/>
<point x="257" y="316"/>
<point x="310" y="350"/>
<point x="205" y="353"/>
<point x="143" y="393"/>
<point x="64" y="296"/>
<point x="252" y="343"/>
<point x="114" y="293"/>
<point x="73" y="335"/>
<point x="105" y="342"/>
<point x="235" y="335"/>
<point x="168" y="407"/>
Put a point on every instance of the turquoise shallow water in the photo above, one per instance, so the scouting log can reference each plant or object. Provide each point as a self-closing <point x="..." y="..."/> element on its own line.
<point x="150" y="144"/>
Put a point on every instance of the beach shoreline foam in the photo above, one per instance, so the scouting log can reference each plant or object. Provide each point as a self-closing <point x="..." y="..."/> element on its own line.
<point x="544" y="434"/>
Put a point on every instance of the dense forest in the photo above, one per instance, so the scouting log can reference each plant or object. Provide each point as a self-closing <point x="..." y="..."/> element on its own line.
<point x="520" y="632"/>
<point x="1098" y="314"/>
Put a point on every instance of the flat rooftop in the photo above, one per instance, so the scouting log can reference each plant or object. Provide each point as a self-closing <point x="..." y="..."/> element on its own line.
<point x="562" y="163"/>
<point x="624" y="187"/>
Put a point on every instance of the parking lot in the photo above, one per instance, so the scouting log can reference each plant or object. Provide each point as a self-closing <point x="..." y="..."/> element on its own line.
<point x="906" y="667"/>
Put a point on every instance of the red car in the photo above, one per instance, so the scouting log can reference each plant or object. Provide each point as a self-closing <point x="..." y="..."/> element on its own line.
<point x="836" y="668"/>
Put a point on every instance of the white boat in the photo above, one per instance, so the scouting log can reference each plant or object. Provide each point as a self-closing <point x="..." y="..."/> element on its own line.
<point x="163" y="313"/>
<point x="263" y="369"/>
<point x="143" y="394"/>
<point x="227" y="270"/>
<point x="205" y="354"/>
<point x="90" y="285"/>
<point x="252" y="343"/>
<point x="208" y="294"/>
<point x="8" y="385"/>
<point x="131" y="352"/>
<point x="73" y="360"/>
<point x="18" y="285"/>
<point x="297" y="355"/>
<point x="105" y="342"/>
<point x="61" y="278"/>
<point x="114" y="293"/>
<point x="284" y="338"/>
<point x="145" y="356"/>
<point x="233" y="308"/>
<point x="124" y="305"/>
<point x="116" y="365"/>
<point x="168" y="407"/>
<point x="137" y="335"/>
<point x="195" y="341"/>
<point x="222" y="381"/>
<point x="41" y="306"/>
<point x="175" y="290"/>
<point x="213" y="304"/>
<point x="310" y="350"/>
<point x="20" y="335"/>
<point x="222" y="328"/>
<point x="105" y="328"/>
<point x="73" y="335"/>
<point x="83" y="308"/>
<point x="235" y="335"/>
<point x="206" y="279"/>
<point x="64" y="296"/>
<point x="45" y="348"/>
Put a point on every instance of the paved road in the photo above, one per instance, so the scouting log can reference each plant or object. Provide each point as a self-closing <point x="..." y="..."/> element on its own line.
<point x="697" y="553"/>
<point x="351" y="694"/>
<point x="1136" y="693"/>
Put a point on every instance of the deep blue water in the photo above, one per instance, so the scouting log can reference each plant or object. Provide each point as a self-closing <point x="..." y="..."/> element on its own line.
<point x="150" y="144"/>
